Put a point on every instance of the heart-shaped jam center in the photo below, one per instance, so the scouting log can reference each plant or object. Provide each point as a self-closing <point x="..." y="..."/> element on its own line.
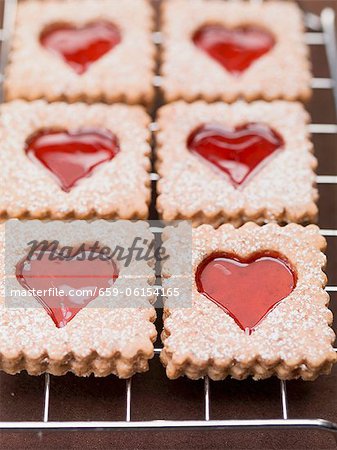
<point x="237" y="152"/>
<point x="65" y="285"/>
<point x="235" y="49"/>
<point x="247" y="290"/>
<point x="71" y="155"/>
<point x="80" y="47"/>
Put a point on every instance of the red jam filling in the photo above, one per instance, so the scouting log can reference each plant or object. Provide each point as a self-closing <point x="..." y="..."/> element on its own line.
<point x="237" y="152"/>
<point x="66" y="286"/>
<point x="71" y="155"/>
<point x="235" y="49"/>
<point x="247" y="290"/>
<point x="80" y="47"/>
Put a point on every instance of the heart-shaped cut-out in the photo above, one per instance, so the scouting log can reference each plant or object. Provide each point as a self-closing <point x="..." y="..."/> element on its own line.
<point x="246" y="290"/>
<point x="235" y="49"/>
<point x="65" y="285"/>
<point x="237" y="152"/>
<point x="80" y="47"/>
<point x="71" y="155"/>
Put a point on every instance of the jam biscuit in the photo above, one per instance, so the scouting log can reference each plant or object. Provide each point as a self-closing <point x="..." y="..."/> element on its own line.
<point x="74" y="161"/>
<point x="234" y="163"/>
<point x="217" y="50"/>
<point x="83" y="331"/>
<point x="82" y="50"/>
<point x="259" y="307"/>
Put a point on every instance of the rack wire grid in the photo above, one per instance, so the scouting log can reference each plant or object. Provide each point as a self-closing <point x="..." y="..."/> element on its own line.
<point x="320" y="32"/>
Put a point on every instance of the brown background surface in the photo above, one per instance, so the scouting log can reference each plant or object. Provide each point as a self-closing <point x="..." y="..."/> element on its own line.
<point x="155" y="397"/>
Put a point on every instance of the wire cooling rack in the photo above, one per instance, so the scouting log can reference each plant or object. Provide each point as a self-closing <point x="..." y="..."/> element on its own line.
<point x="321" y="32"/>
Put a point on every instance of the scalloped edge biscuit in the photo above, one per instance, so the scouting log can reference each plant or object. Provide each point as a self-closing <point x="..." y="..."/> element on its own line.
<point x="293" y="341"/>
<point x="117" y="189"/>
<point x="111" y="335"/>
<point x="190" y="74"/>
<point x="283" y="190"/>
<point x="125" y="74"/>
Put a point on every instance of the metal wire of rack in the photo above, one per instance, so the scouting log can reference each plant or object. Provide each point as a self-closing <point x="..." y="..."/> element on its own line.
<point x="321" y="32"/>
